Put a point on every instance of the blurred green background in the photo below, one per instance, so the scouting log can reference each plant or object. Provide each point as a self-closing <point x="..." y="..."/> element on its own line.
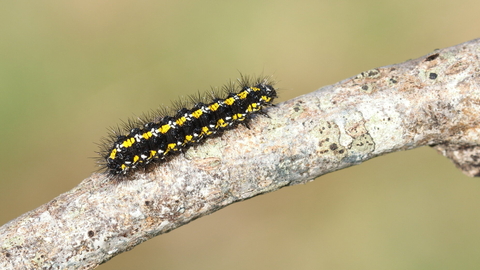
<point x="71" y="69"/>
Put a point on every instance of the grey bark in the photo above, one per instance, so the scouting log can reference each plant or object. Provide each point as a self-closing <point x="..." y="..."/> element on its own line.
<point x="433" y="100"/>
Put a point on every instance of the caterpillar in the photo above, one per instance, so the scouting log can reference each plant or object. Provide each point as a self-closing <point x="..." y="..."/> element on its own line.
<point x="155" y="137"/>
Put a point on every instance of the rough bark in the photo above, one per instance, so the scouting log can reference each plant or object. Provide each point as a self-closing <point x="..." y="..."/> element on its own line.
<point x="433" y="100"/>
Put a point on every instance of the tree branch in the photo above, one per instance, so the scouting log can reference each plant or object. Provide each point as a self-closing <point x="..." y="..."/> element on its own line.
<point x="433" y="100"/>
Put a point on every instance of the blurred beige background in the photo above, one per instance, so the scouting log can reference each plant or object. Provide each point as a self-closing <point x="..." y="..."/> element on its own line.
<point x="70" y="69"/>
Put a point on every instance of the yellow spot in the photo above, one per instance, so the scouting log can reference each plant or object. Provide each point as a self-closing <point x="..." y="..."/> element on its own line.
<point x="238" y="116"/>
<point x="197" y="113"/>
<point x="221" y="123"/>
<point x="113" y="154"/>
<point x="253" y="107"/>
<point x="152" y="154"/>
<point x="147" y="135"/>
<point x="267" y="99"/>
<point x="123" y="167"/>
<point x="255" y="89"/>
<point x="188" y="138"/>
<point x="135" y="159"/>
<point x="180" y="121"/>
<point x="172" y="146"/>
<point x="128" y="142"/>
<point x="206" y="131"/>
<point x="229" y="101"/>
<point x="213" y="107"/>
<point x="164" y="129"/>
<point x="243" y="95"/>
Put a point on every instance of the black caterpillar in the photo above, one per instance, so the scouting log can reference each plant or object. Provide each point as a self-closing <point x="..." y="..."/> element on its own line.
<point x="161" y="136"/>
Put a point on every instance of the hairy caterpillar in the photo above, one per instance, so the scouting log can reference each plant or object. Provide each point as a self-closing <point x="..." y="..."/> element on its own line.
<point x="160" y="135"/>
